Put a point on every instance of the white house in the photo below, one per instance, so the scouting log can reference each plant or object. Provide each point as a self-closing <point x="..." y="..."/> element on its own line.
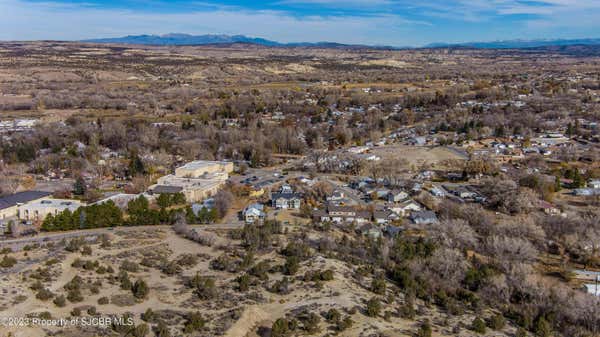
<point x="406" y="207"/>
<point x="424" y="217"/>
<point x="396" y="195"/>
<point x="594" y="183"/>
<point x="285" y="198"/>
<point x="254" y="213"/>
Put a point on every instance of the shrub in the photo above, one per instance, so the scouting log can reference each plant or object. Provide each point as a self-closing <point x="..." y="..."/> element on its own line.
<point x="311" y="323"/>
<point x="8" y="262"/>
<point x="333" y="316"/>
<point x="243" y="282"/>
<point x="37" y="285"/>
<point x="281" y="286"/>
<point x="327" y="275"/>
<point x="344" y="324"/>
<point x="543" y="328"/>
<point x="141" y="330"/>
<point x="378" y="285"/>
<point x="74" y="284"/>
<point x="280" y="328"/>
<point x="60" y="301"/>
<point x="424" y="329"/>
<point x="161" y="330"/>
<point x="194" y="322"/>
<point x="86" y="250"/>
<point x="74" y="296"/>
<point x="204" y="287"/>
<point x="478" y="325"/>
<point x="291" y="266"/>
<point x="407" y="310"/>
<point x="148" y="315"/>
<point x="373" y="307"/>
<point x="103" y="300"/>
<point x="521" y="332"/>
<point x="44" y="294"/>
<point x="129" y="266"/>
<point x="125" y="282"/>
<point x="497" y="322"/>
<point x="140" y="289"/>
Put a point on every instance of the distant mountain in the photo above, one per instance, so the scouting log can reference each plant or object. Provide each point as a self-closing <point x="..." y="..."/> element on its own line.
<point x="184" y="39"/>
<point x="190" y="40"/>
<point x="212" y="39"/>
<point x="517" y="44"/>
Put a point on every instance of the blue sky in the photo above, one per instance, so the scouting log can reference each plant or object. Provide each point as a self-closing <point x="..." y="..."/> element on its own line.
<point x="373" y="22"/>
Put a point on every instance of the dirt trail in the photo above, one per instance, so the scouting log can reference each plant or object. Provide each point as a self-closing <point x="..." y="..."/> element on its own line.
<point x="251" y="316"/>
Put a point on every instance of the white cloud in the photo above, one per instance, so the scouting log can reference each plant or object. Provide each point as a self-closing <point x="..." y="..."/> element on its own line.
<point x="20" y="20"/>
<point x="382" y="22"/>
<point x="341" y="3"/>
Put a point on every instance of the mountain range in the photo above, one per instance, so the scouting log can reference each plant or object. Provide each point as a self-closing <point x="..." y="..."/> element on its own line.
<point x="518" y="44"/>
<point x="176" y="39"/>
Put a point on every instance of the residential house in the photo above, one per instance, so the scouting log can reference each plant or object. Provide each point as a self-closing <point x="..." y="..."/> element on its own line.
<point x="286" y="189"/>
<point x="342" y="214"/>
<point x="382" y="193"/>
<point x="423" y="217"/>
<point x="406" y="207"/>
<point x="594" y="183"/>
<point x="548" y="208"/>
<point x="254" y="213"/>
<point x="437" y="192"/>
<point x="371" y="230"/>
<point x="382" y="217"/>
<point x="460" y="191"/>
<point x="586" y="192"/>
<point x="285" y="198"/>
<point x="396" y="195"/>
<point x="392" y="231"/>
<point x="337" y="195"/>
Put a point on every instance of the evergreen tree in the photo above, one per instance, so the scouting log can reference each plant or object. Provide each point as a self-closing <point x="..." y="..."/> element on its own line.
<point x="79" y="187"/>
<point x="136" y="165"/>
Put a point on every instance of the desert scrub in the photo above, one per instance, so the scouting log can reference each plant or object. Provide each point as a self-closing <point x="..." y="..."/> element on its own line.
<point x="8" y="262"/>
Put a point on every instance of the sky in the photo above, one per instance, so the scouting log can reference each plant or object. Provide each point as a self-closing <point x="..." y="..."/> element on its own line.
<point x="373" y="22"/>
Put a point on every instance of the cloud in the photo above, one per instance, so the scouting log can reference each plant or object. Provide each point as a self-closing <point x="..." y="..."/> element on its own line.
<point x="339" y="3"/>
<point x="51" y="20"/>
<point x="373" y="22"/>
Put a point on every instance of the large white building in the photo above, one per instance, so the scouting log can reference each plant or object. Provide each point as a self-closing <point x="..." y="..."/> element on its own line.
<point x="197" y="180"/>
<point x="199" y="168"/>
<point x="40" y="209"/>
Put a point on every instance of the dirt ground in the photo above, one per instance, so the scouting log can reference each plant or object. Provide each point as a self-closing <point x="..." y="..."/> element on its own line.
<point x="417" y="156"/>
<point x="231" y="313"/>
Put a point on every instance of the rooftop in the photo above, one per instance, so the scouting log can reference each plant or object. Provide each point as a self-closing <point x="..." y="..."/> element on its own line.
<point x="198" y="164"/>
<point x="21" y="198"/>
